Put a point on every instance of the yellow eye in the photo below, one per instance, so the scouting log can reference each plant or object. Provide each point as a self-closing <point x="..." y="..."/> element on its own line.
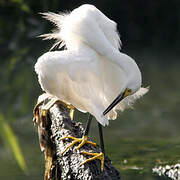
<point x="127" y="92"/>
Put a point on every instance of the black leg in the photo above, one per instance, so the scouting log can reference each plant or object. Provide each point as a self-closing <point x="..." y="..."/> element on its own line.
<point x="88" y="125"/>
<point x="101" y="137"/>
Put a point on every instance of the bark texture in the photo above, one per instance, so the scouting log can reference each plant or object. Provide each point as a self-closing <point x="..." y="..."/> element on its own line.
<point x="52" y="126"/>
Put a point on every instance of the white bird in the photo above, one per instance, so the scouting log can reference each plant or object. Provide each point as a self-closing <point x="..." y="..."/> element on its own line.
<point x="92" y="71"/>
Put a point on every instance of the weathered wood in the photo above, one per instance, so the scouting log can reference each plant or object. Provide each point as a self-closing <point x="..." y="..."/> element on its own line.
<point x="52" y="127"/>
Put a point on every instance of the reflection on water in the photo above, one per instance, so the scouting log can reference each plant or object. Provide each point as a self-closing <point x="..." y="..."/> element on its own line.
<point x="141" y="138"/>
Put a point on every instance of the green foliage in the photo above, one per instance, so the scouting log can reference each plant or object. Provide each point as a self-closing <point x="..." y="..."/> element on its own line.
<point x="10" y="140"/>
<point x="23" y="6"/>
<point x="17" y="80"/>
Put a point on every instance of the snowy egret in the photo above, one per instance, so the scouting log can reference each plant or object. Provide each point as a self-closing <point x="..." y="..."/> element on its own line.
<point x="91" y="74"/>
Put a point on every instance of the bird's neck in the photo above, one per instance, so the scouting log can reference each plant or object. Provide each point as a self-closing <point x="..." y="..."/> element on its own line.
<point x="128" y="65"/>
<point x="122" y="60"/>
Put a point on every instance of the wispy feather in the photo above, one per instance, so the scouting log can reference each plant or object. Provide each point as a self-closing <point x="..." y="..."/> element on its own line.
<point x="129" y="101"/>
<point x="57" y="20"/>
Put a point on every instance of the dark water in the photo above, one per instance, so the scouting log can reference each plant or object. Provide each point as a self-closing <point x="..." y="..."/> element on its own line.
<point x="133" y="157"/>
<point x="139" y="139"/>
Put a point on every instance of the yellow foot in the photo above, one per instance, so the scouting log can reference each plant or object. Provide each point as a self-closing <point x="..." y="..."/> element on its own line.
<point x="99" y="156"/>
<point x="82" y="141"/>
<point x="71" y="112"/>
<point x="46" y="107"/>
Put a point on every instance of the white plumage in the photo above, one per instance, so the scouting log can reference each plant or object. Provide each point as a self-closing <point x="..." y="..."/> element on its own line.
<point x="92" y="71"/>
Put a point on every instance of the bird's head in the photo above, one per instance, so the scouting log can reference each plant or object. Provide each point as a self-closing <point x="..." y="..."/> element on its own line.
<point x="127" y="92"/>
<point x="133" y="81"/>
<point x="120" y="97"/>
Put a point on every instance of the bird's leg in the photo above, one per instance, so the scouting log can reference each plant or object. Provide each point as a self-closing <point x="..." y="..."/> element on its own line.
<point x="83" y="140"/>
<point x="88" y="124"/>
<point x="100" y="155"/>
<point x="101" y="138"/>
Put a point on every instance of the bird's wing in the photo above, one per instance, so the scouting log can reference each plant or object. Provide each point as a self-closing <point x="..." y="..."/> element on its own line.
<point x="108" y="26"/>
<point x="68" y="75"/>
<point x="96" y="31"/>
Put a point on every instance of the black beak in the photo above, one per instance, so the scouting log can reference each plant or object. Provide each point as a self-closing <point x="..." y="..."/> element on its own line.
<point x="114" y="103"/>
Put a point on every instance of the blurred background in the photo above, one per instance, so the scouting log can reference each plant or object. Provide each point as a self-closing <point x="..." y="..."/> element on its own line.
<point x="142" y="137"/>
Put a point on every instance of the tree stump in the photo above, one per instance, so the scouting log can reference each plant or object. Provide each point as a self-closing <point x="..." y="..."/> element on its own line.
<point x="54" y="125"/>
